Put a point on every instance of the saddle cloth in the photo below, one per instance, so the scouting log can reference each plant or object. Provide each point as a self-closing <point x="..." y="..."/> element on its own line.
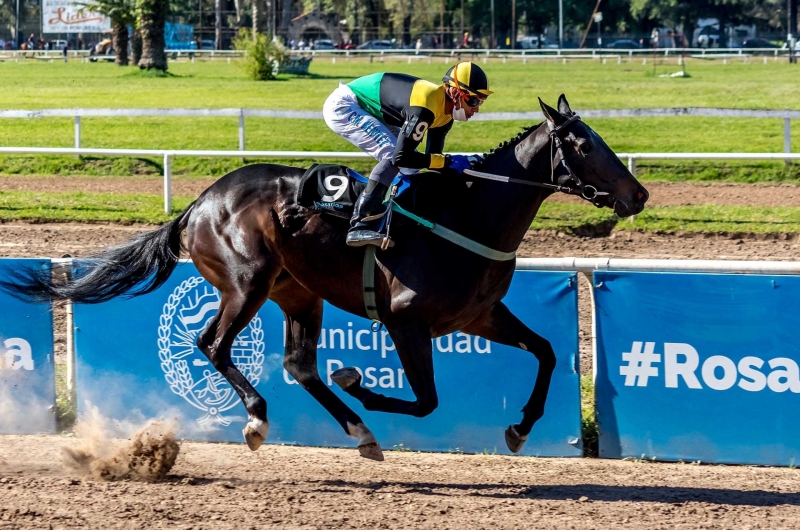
<point x="334" y="189"/>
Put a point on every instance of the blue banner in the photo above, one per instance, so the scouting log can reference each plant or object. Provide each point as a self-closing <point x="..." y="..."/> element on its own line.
<point x="698" y="367"/>
<point x="27" y="374"/>
<point x="137" y="359"/>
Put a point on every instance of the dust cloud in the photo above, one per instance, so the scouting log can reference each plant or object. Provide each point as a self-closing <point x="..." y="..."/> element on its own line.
<point x="147" y="455"/>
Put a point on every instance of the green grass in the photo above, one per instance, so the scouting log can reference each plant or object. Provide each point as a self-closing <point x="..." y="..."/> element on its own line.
<point x="585" y="220"/>
<point x="86" y="207"/>
<point x="588" y="417"/>
<point x="589" y="85"/>
<point x="572" y="218"/>
<point x="65" y="411"/>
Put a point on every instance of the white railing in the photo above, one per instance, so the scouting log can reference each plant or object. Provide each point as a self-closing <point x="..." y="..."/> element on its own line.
<point x="517" y="53"/>
<point x="589" y="265"/>
<point x="168" y="155"/>
<point x="77" y="113"/>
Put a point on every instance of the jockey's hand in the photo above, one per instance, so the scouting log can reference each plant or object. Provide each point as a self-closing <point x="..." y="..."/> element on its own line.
<point x="458" y="162"/>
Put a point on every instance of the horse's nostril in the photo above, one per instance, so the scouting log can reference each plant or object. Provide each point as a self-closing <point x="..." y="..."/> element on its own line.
<point x="640" y="196"/>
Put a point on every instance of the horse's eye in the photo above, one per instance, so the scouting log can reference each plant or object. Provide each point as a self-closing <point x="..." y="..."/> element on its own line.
<point x="586" y="147"/>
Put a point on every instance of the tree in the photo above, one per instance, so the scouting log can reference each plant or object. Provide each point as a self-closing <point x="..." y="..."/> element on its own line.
<point x="122" y="15"/>
<point x="263" y="57"/>
<point x="152" y="16"/>
<point x="685" y="13"/>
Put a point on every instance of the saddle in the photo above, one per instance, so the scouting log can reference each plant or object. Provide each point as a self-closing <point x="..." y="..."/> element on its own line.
<point x="334" y="189"/>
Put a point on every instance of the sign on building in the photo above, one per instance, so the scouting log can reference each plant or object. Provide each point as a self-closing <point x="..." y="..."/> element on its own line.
<point x="66" y="16"/>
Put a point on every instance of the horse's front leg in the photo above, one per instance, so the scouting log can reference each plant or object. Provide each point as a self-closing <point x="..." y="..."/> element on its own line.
<point x="501" y="326"/>
<point x="414" y="348"/>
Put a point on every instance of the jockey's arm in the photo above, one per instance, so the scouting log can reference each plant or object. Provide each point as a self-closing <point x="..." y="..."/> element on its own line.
<point x="436" y="136"/>
<point x="418" y="119"/>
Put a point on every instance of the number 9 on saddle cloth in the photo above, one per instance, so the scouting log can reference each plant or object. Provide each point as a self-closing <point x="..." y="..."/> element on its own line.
<point x="334" y="189"/>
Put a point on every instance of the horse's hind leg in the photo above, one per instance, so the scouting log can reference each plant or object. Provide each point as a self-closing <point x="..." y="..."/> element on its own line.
<point x="303" y="312"/>
<point x="415" y="351"/>
<point x="241" y="298"/>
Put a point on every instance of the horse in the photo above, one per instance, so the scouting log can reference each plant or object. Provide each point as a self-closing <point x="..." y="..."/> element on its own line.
<point x="250" y="239"/>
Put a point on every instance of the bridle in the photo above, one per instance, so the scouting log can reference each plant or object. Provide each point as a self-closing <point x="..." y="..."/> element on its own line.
<point x="568" y="183"/>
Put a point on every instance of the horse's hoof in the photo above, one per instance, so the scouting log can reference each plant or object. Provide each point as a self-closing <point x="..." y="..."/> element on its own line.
<point x="372" y="451"/>
<point x="255" y="432"/>
<point x="514" y="440"/>
<point x="346" y="378"/>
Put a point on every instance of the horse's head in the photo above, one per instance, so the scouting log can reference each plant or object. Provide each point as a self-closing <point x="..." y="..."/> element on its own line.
<point x="584" y="161"/>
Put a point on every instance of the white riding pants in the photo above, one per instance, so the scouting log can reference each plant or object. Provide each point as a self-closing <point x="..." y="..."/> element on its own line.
<point x="345" y="117"/>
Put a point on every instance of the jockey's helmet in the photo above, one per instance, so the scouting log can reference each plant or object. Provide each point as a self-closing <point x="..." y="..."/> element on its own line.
<point x="470" y="79"/>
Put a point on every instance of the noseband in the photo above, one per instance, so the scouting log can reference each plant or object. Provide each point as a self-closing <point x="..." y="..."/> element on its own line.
<point x="568" y="182"/>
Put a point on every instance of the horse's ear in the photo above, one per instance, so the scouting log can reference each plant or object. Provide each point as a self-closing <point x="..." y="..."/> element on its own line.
<point x="552" y="115"/>
<point x="563" y="106"/>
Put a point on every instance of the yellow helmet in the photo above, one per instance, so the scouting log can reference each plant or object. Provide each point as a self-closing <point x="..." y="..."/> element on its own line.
<point x="468" y="77"/>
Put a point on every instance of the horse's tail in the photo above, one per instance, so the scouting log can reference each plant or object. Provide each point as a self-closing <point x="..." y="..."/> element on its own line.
<point x="134" y="268"/>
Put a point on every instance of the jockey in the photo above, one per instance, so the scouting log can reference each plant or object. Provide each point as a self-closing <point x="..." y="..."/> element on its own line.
<point x="386" y="115"/>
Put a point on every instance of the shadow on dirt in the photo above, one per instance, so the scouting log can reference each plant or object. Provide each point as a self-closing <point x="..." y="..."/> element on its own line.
<point x="592" y="492"/>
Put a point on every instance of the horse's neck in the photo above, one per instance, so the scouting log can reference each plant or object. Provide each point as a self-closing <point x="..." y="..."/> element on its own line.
<point x="499" y="214"/>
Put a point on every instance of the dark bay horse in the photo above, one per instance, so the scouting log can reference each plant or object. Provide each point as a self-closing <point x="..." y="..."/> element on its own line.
<point x="250" y="239"/>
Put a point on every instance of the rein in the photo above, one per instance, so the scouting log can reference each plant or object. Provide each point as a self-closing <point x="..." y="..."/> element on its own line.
<point x="572" y="186"/>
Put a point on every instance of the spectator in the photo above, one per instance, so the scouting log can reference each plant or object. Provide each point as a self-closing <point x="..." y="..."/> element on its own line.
<point x="31" y="42"/>
<point x="301" y="44"/>
<point x="2" y="44"/>
<point x="66" y="48"/>
<point x="419" y="45"/>
<point x="465" y="40"/>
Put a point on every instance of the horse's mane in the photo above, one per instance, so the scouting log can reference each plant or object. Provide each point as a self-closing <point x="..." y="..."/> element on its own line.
<point x="526" y="131"/>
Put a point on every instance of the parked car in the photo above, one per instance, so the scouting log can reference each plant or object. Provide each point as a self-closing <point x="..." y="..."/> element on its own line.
<point x="58" y="44"/>
<point x="323" y="44"/>
<point x="206" y="44"/>
<point x="758" y="43"/>
<point x="624" y="44"/>
<point x="375" y="45"/>
<point x="532" y="43"/>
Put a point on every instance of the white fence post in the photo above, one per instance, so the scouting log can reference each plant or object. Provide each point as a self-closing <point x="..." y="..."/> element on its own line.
<point x="70" y="351"/>
<point x="787" y="137"/>
<point x="632" y="165"/>
<point x="241" y="129"/>
<point x="77" y="132"/>
<point x="168" y="183"/>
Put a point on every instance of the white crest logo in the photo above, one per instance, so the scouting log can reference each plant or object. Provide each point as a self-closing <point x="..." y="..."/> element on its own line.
<point x="186" y="369"/>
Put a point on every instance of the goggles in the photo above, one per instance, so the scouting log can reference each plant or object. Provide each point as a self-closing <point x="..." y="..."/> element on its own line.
<point x="471" y="101"/>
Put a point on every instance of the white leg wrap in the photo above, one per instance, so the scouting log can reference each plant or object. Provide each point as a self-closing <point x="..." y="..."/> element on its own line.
<point x="255" y="433"/>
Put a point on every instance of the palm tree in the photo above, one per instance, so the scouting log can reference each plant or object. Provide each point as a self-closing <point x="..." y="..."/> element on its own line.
<point x="152" y="16"/>
<point x="122" y="15"/>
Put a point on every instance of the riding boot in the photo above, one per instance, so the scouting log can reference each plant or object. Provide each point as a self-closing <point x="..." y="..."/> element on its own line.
<point x="367" y="216"/>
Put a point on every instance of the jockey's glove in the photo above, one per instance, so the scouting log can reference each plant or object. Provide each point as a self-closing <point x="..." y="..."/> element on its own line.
<point x="457" y="162"/>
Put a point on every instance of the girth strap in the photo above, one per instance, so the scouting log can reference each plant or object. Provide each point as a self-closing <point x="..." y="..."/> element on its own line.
<point x="368" y="281"/>
<point x="458" y="239"/>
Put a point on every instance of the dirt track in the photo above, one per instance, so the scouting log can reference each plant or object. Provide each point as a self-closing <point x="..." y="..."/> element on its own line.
<point x="226" y="486"/>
